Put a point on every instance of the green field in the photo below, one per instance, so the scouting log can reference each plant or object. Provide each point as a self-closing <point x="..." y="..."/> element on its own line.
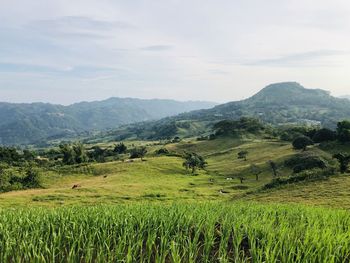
<point x="156" y="211"/>
<point x="163" y="178"/>
<point x="175" y="233"/>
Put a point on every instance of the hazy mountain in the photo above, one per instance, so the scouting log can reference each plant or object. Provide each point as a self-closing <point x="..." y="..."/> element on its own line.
<point x="345" y="97"/>
<point x="279" y="103"/>
<point x="27" y="123"/>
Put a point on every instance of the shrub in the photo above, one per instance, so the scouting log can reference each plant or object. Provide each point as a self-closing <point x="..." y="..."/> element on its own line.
<point x="120" y="148"/>
<point x="324" y="135"/>
<point x="309" y="175"/>
<point x="343" y="131"/>
<point x="162" y="151"/>
<point x="139" y="152"/>
<point x="305" y="161"/>
<point x="302" y="142"/>
<point x="242" y="155"/>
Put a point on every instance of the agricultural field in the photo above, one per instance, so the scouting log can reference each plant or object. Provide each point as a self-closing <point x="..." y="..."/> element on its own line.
<point x="242" y="232"/>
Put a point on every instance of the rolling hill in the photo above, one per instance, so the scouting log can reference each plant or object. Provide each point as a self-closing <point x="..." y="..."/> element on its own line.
<point x="280" y="103"/>
<point x="30" y="123"/>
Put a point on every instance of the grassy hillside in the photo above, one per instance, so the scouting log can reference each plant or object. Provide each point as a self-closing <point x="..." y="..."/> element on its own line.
<point x="164" y="179"/>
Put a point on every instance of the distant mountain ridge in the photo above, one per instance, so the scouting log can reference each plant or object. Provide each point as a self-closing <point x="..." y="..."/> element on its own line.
<point x="279" y="103"/>
<point x="345" y="97"/>
<point x="23" y="123"/>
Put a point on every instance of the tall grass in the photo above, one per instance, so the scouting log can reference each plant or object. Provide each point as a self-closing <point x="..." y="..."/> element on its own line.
<point x="176" y="233"/>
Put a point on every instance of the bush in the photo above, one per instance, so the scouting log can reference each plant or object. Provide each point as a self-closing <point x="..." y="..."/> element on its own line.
<point x="120" y="148"/>
<point x="309" y="175"/>
<point x="305" y="161"/>
<point x="162" y="151"/>
<point x="343" y="131"/>
<point x="302" y="142"/>
<point x="138" y="152"/>
<point x="324" y="135"/>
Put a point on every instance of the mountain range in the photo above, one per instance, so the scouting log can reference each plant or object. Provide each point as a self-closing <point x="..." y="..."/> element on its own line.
<point x="279" y="103"/>
<point x="35" y="122"/>
<point x="126" y="118"/>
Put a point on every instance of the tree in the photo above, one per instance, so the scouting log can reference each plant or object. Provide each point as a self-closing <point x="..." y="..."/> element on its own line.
<point x="28" y="155"/>
<point x="162" y="151"/>
<point x="31" y="179"/>
<point x="194" y="161"/>
<point x="273" y="166"/>
<point x="80" y="153"/>
<point x="138" y="153"/>
<point x="120" y="148"/>
<point x="68" y="154"/>
<point x="302" y="142"/>
<point x="256" y="171"/>
<point x="97" y="154"/>
<point x="344" y="160"/>
<point x="324" y="135"/>
<point x="343" y="131"/>
<point x="73" y="154"/>
<point x="242" y="155"/>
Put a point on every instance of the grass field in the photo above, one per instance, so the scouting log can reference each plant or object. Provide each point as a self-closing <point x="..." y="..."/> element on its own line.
<point x="178" y="233"/>
<point x="163" y="179"/>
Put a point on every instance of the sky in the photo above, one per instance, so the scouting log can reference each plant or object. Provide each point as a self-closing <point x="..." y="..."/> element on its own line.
<point x="65" y="51"/>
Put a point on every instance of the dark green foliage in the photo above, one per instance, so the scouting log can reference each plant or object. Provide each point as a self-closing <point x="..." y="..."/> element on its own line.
<point x="273" y="167"/>
<point x="307" y="175"/>
<point x="138" y="152"/>
<point x="97" y="154"/>
<point x="176" y="139"/>
<point x="242" y="155"/>
<point x="305" y="161"/>
<point x="120" y="148"/>
<point x="343" y="131"/>
<point x="229" y="127"/>
<point x="324" y="135"/>
<point x="12" y="179"/>
<point x="193" y="161"/>
<point x="9" y="155"/>
<point x="73" y="153"/>
<point x="302" y="142"/>
<point x="344" y="160"/>
<point x="31" y="179"/>
<point x="162" y="151"/>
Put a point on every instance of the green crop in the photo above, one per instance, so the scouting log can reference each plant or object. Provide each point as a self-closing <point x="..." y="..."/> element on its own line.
<point x="241" y="232"/>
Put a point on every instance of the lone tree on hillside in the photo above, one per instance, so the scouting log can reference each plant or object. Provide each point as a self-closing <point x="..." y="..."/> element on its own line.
<point x="344" y="160"/>
<point x="120" y="148"/>
<point x="194" y="161"/>
<point x="256" y="171"/>
<point x="302" y="142"/>
<point x="242" y="155"/>
<point x="138" y="153"/>
<point x="273" y="166"/>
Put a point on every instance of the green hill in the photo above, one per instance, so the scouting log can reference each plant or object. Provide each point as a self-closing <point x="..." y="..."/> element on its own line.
<point x="276" y="104"/>
<point x="30" y="123"/>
